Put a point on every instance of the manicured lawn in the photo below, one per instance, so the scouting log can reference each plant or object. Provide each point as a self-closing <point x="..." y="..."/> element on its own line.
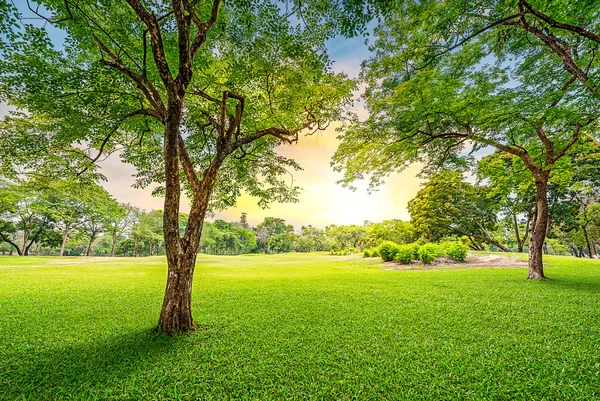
<point x="298" y="327"/>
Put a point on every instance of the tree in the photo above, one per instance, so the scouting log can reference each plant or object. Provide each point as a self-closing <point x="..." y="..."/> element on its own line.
<point x="312" y="239"/>
<point x="281" y="243"/>
<point x="117" y="221"/>
<point x="270" y="227"/>
<point x="97" y="207"/>
<point x="441" y="112"/>
<point x="510" y="183"/>
<point x="345" y="237"/>
<point x="398" y="231"/>
<point x="449" y="206"/>
<point x="201" y="90"/>
<point x="26" y="208"/>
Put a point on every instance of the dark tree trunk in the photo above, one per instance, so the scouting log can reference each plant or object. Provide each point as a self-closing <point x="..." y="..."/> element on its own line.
<point x="114" y="245"/>
<point x="64" y="241"/>
<point x="176" y="312"/>
<point x="89" y="247"/>
<point x="517" y="234"/>
<point x="590" y="247"/>
<point x="538" y="229"/>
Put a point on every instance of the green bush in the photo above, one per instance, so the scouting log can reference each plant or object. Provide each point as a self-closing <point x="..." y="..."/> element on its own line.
<point x="375" y="253"/>
<point x="404" y="254"/>
<point x="388" y="250"/>
<point x="456" y="251"/>
<point x="429" y="252"/>
<point x="415" y="250"/>
<point x="367" y="253"/>
<point x="343" y="252"/>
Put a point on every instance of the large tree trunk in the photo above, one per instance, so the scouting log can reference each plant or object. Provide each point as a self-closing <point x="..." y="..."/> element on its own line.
<point x="538" y="229"/>
<point x="176" y="313"/>
<point x="64" y="241"/>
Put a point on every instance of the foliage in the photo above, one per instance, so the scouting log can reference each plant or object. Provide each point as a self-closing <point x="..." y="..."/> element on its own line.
<point x="398" y="231"/>
<point x="387" y="250"/>
<point x="281" y="243"/>
<point x="351" y="236"/>
<point x="405" y="254"/>
<point x="222" y="238"/>
<point x="455" y="251"/>
<point x="430" y="252"/>
<point x="367" y="253"/>
<point x="448" y="205"/>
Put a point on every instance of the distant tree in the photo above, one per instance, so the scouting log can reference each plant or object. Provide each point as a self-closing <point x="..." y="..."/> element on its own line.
<point x="244" y="221"/>
<point x="27" y="208"/>
<point x="398" y="231"/>
<point x="270" y="227"/>
<point x="449" y="206"/>
<point x="97" y="206"/>
<point x="117" y="220"/>
<point x="281" y="243"/>
<point x="345" y="237"/>
<point x="510" y="183"/>
<point x="312" y="239"/>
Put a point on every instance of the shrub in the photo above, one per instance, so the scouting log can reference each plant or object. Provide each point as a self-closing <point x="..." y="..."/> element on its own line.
<point x="367" y="253"/>
<point x="375" y="253"/>
<point x="429" y="252"/>
<point x="404" y="254"/>
<point x="343" y="252"/>
<point x="415" y="250"/>
<point x="456" y="251"/>
<point x="387" y="250"/>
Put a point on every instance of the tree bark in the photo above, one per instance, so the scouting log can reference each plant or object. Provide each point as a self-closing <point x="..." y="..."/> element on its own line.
<point x="89" y="247"/>
<point x="114" y="245"/>
<point x="590" y="247"/>
<point x="176" y="312"/>
<point x="538" y="228"/>
<point x="64" y="241"/>
<point x="517" y="234"/>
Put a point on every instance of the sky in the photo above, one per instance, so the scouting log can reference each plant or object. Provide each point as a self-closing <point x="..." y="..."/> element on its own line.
<point x="322" y="201"/>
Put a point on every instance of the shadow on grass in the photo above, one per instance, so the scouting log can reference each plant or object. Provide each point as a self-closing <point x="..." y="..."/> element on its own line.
<point x="589" y="285"/>
<point x="82" y="371"/>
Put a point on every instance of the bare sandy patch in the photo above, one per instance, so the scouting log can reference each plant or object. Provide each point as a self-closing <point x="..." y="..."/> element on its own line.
<point x="477" y="261"/>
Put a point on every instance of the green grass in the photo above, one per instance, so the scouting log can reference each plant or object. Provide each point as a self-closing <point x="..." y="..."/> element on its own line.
<point x="298" y="327"/>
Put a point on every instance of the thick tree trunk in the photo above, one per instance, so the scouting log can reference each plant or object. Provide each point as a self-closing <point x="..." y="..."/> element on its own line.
<point x="538" y="229"/>
<point x="64" y="241"/>
<point x="176" y="312"/>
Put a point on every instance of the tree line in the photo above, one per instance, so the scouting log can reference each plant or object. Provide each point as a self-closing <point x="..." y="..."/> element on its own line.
<point x="66" y="218"/>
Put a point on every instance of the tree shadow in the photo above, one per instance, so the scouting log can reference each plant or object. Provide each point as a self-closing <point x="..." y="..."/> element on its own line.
<point x="81" y="370"/>
<point x="590" y="285"/>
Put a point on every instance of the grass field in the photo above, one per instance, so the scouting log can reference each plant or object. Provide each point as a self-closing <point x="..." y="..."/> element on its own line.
<point x="298" y="326"/>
